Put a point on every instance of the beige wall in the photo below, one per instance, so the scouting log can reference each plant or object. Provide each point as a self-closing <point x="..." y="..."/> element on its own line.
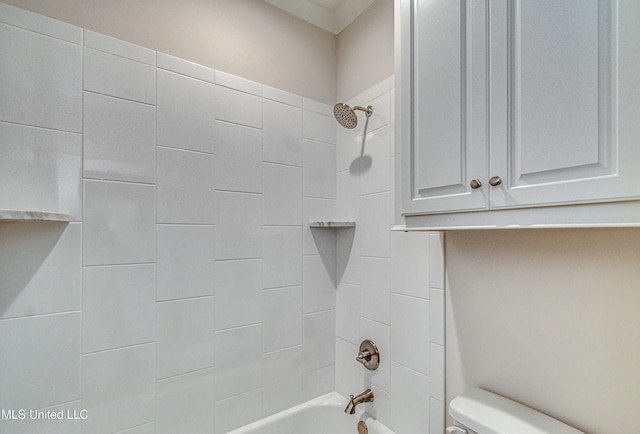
<point x="550" y="318"/>
<point x="247" y="38"/>
<point x="365" y="51"/>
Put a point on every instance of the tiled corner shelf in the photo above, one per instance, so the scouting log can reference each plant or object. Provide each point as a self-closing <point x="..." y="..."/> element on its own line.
<point x="9" y="215"/>
<point x="332" y="224"/>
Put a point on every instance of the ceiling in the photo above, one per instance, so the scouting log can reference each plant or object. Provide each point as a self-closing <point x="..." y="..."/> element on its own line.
<point x="330" y="15"/>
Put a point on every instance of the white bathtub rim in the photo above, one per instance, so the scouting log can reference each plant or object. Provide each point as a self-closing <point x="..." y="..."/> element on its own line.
<point x="331" y="399"/>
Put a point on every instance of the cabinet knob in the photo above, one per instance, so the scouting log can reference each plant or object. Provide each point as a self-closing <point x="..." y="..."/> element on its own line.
<point x="495" y="181"/>
<point x="475" y="184"/>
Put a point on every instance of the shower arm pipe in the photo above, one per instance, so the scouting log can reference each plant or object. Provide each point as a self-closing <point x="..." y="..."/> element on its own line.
<point x="368" y="110"/>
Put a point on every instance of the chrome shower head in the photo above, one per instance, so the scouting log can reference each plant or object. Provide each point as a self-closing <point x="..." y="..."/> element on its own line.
<point x="346" y="116"/>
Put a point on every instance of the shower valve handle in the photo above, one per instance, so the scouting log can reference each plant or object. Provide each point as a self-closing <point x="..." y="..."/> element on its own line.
<point x="368" y="355"/>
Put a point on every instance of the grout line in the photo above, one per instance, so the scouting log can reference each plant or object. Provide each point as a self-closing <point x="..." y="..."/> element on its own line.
<point x="237" y="124"/>
<point x="411" y="369"/>
<point x="195" y="297"/>
<point x="178" y="149"/>
<point x="185" y="373"/>
<point x="46" y="128"/>
<point x="119" y="181"/>
<point x="93" y="92"/>
<point x="40" y="315"/>
<point x="108" y="350"/>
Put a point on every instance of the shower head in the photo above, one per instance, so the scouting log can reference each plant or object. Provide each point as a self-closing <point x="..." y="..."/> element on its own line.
<point x="346" y="116"/>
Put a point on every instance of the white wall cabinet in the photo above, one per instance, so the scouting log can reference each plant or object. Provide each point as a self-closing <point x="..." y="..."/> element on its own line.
<point x="514" y="104"/>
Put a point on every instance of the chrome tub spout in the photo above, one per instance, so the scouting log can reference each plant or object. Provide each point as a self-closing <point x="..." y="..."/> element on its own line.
<point x="354" y="401"/>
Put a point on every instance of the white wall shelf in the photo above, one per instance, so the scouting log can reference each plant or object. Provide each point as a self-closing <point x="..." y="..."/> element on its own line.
<point x="9" y="215"/>
<point x="332" y="224"/>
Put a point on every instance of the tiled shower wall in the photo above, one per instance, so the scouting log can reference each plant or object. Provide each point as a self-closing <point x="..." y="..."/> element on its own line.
<point x="188" y="285"/>
<point x="187" y="294"/>
<point x="391" y="284"/>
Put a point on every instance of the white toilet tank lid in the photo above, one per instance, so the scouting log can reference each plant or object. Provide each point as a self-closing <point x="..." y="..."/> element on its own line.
<point x="488" y="413"/>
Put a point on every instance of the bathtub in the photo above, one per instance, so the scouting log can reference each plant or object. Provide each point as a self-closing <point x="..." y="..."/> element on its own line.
<point x="321" y="415"/>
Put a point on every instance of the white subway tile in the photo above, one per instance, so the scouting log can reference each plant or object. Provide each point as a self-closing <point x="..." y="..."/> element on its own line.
<point x="282" y="257"/>
<point x="375" y="164"/>
<point x="118" y="306"/>
<point x="349" y="150"/>
<point x="186" y="110"/>
<point x="348" y="371"/>
<point x="185" y="261"/>
<point x="41" y="268"/>
<point x="238" y="107"/>
<point x="318" y="241"/>
<point x="184" y="336"/>
<point x="283" y="387"/>
<point x="319" y="283"/>
<point x="227" y="416"/>
<point x="317" y="107"/>
<point x="119" y="48"/>
<point x="281" y="393"/>
<point x="40" y="24"/>
<point x="184" y="67"/>
<point x="118" y="76"/>
<point x="436" y="260"/>
<point x="375" y="225"/>
<point x="238" y="360"/>
<point x="282" y="133"/>
<point x="410" y="324"/>
<point x="380" y="408"/>
<point x="147" y="428"/>
<point x="238" y="158"/>
<point x="278" y="95"/>
<point x="238" y="293"/>
<point x="238" y="83"/>
<point x="436" y="416"/>
<point x="321" y="128"/>
<point x="347" y="194"/>
<point x="186" y="403"/>
<point x="119" y="223"/>
<point x="40" y="361"/>
<point x="319" y="339"/>
<point x="185" y="187"/>
<point x="409" y="396"/>
<point x="41" y="80"/>
<point x="381" y="115"/>
<point x="118" y="382"/>
<point x="437" y="370"/>
<point x="319" y="170"/>
<point x="376" y="289"/>
<point x="119" y="139"/>
<point x="348" y="313"/>
<point x="282" y="194"/>
<point x="437" y="316"/>
<point x="410" y="263"/>
<point x="282" y="318"/>
<point x="281" y="362"/>
<point x="239" y="225"/>
<point x="318" y="382"/>
<point x="40" y="170"/>
<point x="348" y="266"/>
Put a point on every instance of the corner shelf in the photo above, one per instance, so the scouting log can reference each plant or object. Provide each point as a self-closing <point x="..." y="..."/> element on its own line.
<point x="9" y="215"/>
<point x="332" y="224"/>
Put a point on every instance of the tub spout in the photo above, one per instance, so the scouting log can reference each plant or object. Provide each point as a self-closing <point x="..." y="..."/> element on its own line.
<point x="366" y="396"/>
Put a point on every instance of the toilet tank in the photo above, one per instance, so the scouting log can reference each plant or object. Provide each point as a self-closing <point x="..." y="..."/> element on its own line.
<point x="487" y="413"/>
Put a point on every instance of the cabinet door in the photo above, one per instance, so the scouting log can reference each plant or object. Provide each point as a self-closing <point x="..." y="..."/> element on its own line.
<point x="564" y="101"/>
<point x="445" y="147"/>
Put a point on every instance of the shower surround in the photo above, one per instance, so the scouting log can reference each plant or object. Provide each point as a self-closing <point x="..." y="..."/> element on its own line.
<point x="188" y="283"/>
